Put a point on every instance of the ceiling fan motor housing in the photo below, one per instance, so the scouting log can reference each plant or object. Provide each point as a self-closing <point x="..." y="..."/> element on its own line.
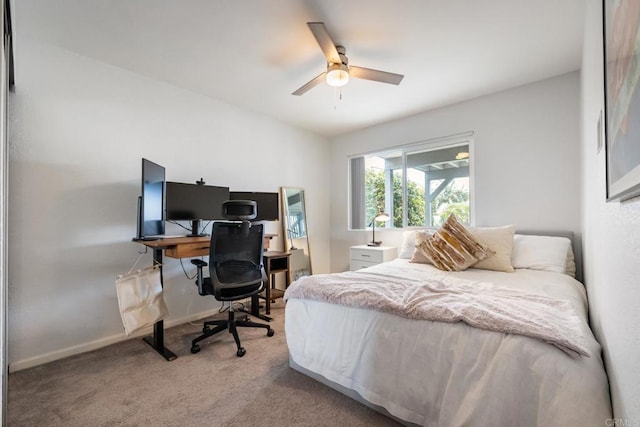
<point x="342" y="52"/>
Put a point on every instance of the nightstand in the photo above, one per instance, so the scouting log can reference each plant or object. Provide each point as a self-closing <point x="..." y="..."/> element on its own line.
<point x="363" y="256"/>
<point x="275" y="262"/>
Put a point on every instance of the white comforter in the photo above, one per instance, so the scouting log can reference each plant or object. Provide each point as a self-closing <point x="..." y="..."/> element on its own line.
<point x="442" y="374"/>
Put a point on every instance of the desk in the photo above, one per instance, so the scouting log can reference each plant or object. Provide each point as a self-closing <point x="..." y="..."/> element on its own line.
<point x="183" y="247"/>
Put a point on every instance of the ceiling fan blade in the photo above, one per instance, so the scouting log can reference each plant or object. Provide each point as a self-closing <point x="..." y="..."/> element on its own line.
<point x="316" y="81"/>
<point x="375" y="75"/>
<point x="324" y="40"/>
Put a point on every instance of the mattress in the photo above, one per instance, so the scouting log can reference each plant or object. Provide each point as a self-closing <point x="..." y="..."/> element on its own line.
<point x="447" y="374"/>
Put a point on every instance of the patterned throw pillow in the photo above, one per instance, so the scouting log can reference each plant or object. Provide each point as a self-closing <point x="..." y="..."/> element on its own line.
<point x="453" y="247"/>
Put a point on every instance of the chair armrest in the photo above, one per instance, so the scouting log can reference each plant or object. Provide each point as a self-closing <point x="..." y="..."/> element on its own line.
<point x="199" y="263"/>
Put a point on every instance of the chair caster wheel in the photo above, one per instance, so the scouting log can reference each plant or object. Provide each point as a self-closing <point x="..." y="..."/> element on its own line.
<point x="195" y="349"/>
<point x="205" y="329"/>
<point x="270" y="332"/>
<point x="241" y="352"/>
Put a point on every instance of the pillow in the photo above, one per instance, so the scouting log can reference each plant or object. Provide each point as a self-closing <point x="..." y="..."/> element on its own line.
<point x="408" y="244"/>
<point x="547" y="253"/>
<point x="570" y="267"/>
<point x="500" y="241"/>
<point x="453" y="247"/>
<point x="417" y="255"/>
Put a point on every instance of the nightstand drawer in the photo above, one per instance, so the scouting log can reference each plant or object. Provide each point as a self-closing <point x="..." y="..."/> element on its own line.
<point x="357" y="264"/>
<point x="363" y="254"/>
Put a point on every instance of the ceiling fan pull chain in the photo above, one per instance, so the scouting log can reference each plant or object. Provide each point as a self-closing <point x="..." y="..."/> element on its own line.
<point x="337" y="96"/>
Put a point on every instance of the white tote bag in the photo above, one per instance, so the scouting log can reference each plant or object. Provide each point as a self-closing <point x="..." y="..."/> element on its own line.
<point x="140" y="299"/>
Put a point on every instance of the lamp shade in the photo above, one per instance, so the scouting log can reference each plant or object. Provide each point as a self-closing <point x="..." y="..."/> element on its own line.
<point x="382" y="216"/>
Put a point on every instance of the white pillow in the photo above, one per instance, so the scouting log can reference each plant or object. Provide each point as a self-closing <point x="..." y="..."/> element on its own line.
<point x="547" y="253"/>
<point x="408" y="244"/>
<point x="570" y="268"/>
<point x="500" y="241"/>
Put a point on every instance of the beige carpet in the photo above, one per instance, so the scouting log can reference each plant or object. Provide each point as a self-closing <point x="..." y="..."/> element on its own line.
<point x="128" y="384"/>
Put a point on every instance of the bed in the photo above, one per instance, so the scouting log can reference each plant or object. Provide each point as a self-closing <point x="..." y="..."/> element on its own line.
<point x="446" y="372"/>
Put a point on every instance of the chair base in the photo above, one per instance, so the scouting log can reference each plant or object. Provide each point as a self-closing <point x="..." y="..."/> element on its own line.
<point x="230" y="324"/>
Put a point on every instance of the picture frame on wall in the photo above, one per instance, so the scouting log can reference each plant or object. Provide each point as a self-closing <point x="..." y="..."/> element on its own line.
<point x="622" y="98"/>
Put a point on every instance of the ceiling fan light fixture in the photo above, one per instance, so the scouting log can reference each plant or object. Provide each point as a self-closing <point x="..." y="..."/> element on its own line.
<point x="337" y="75"/>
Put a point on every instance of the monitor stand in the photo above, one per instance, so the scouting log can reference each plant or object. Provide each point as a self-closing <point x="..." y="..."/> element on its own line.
<point x="146" y="239"/>
<point x="195" y="229"/>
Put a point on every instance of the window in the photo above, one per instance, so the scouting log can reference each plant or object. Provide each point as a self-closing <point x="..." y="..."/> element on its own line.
<point x="418" y="185"/>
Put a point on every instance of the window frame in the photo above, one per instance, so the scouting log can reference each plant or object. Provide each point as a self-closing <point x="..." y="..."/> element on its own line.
<point x="466" y="138"/>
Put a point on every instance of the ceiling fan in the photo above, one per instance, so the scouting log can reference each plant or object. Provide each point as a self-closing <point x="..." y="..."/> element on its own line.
<point x="338" y="69"/>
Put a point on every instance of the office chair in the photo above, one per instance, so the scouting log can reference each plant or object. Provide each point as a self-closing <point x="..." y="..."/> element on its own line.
<point x="235" y="268"/>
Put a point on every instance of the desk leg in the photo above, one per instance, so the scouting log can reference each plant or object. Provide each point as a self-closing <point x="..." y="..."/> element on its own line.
<point x="267" y="294"/>
<point x="156" y="341"/>
<point x="255" y="309"/>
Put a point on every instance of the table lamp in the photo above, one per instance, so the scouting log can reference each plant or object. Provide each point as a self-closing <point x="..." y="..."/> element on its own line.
<point x="380" y="216"/>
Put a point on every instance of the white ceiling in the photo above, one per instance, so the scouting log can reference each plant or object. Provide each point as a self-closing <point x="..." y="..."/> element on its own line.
<point x="254" y="53"/>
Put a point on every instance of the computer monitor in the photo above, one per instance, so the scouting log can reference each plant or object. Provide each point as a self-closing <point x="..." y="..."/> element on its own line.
<point x="267" y="203"/>
<point x="151" y="201"/>
<point x="195" y="202"/>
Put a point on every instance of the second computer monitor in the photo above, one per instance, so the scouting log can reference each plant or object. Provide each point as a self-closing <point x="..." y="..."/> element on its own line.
<point x="267" y="203"/>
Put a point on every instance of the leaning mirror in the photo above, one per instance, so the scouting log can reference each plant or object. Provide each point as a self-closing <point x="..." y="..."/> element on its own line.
<point x="294" y="226"/>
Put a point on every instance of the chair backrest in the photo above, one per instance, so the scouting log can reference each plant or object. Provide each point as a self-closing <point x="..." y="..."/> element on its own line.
<point x="240" y="210"/>
<point x="235" y="255"/>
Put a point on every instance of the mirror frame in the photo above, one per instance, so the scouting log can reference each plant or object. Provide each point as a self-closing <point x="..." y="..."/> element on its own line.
<point x="285" y="224"/>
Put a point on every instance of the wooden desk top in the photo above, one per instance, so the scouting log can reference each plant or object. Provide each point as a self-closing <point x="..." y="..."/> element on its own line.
<point x="174" y="241"/>
<point x="189" y="247"/>
<point x="181" y="247"/>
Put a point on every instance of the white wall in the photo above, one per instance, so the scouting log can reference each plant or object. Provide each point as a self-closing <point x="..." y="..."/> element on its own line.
<point x="525" y="160"/>
<point x="611" y="240"/>
<point x="78" y="129"/>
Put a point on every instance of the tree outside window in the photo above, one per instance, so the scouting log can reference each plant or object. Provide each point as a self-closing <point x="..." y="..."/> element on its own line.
<point x="453" y="199"/>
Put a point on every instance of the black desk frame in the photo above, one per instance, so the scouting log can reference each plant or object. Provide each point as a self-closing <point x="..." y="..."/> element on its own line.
<point x="156" y="341"/>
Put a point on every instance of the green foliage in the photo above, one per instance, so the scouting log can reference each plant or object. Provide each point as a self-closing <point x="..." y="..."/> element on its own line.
<point x="415" y="205"/>
<point x="459" y="209"/>
<point x="451" y="200"/>
<point x="373" y="193"/>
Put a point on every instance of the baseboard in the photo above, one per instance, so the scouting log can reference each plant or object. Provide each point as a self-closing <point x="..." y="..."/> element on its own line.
<point x="102" y="342"/>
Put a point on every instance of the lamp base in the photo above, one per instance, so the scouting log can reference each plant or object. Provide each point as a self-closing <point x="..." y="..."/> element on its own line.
<point x="378" y="243"/>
